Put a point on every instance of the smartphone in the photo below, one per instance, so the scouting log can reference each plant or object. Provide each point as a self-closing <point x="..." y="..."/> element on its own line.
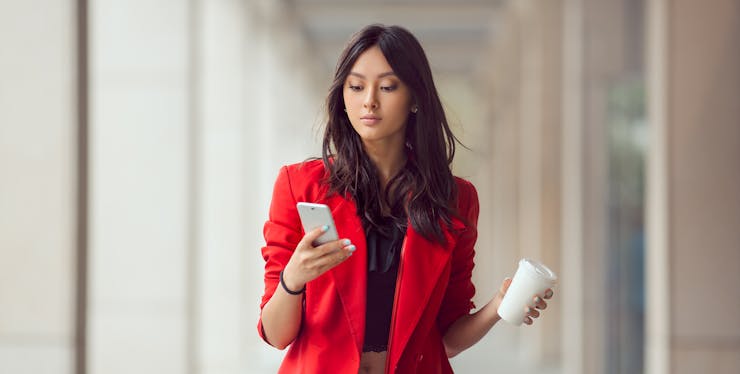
<point x="317" y="215"/>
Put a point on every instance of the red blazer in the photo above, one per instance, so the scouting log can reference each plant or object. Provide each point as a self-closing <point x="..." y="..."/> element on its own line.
<point x="434" y="286"/>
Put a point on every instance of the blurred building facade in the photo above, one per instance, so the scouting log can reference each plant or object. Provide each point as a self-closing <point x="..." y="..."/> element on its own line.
<point x="139" y="142"/>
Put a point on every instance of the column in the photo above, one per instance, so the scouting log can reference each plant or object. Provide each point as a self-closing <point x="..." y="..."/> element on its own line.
<point x="572" y="277"/>
<point x="224" y="132"/>
<point x="504" y="118"/>
<point x="38" y="186"/>
<point x="693" y="267"/>
<point x="540" y="176"/>
<point x="142" y="197"/>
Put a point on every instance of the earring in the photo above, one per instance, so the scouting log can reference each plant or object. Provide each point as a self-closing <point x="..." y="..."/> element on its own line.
<point x="345" y="110"/>
<point x="414" y="109"/>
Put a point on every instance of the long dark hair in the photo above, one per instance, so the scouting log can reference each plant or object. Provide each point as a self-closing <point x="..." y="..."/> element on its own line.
<point x="425" y="189"/>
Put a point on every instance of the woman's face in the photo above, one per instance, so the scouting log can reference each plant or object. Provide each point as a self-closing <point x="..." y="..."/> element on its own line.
<point x="378" y="103"/>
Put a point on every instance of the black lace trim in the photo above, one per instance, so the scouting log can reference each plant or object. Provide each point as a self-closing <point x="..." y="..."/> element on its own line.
<point x="375" y="348"/>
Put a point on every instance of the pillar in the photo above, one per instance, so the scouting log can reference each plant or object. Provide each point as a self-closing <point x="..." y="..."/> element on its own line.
<point x="38" y="186"/>
<point x="693" y="215"/>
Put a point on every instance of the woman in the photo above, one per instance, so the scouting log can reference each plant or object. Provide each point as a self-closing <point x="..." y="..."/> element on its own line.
<point x="394" y="293"/>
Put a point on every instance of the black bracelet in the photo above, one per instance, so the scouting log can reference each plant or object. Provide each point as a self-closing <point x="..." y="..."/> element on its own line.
<point x="288" y="290"/>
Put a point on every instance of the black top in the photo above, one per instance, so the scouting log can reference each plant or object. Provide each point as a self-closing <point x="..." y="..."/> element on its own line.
<point x="383" y="257"/>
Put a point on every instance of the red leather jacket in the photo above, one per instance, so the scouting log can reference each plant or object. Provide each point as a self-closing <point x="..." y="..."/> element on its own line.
<point x="434" y="286"/>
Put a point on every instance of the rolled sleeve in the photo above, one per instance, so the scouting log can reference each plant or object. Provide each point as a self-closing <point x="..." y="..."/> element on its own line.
<point x="457" y="301"/>
<point x="282" y="233"/>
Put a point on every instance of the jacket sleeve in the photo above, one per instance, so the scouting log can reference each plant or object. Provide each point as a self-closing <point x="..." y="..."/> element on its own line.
<point x="457" y="301"/>
<point x="282" y="233"/>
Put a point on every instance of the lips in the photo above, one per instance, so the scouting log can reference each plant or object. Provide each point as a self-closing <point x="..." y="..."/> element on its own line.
<point x="370" y="119"/>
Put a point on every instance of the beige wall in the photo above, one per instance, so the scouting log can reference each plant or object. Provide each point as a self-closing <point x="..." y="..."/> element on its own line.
<point x="695" y="182"/>
<point x="38" y="126"/>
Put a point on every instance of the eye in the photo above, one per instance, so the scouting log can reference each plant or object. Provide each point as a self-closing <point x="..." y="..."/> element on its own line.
<point x="388" y="88"/>
<point x="354" y="88"/>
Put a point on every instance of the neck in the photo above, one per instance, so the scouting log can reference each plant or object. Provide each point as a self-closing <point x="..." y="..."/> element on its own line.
<point x="388" y="158"/>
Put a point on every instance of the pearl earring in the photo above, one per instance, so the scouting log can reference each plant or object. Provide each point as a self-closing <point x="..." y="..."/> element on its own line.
<point x="414" y="109"/>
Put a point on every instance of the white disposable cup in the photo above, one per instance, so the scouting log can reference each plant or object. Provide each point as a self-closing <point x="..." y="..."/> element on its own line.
<point x="531" y="278"/>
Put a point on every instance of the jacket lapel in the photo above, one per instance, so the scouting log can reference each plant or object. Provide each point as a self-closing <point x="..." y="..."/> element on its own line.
<point x="422" y="262"/>
<point x="350" y="277"/>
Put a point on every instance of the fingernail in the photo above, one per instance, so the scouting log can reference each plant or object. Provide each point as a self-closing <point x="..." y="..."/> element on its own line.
<point x="325" y="228"/>
<point x="347" y="242"/>
<point x="351" y="248"/>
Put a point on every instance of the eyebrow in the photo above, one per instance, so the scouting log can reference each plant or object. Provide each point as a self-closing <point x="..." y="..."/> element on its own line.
<point x="388" y="73"/>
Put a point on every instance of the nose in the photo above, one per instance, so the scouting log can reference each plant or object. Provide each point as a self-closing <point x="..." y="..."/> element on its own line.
<point x="371" y="101"/>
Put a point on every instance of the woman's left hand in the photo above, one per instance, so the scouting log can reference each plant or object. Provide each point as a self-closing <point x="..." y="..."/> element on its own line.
<point x="538" y="302"/>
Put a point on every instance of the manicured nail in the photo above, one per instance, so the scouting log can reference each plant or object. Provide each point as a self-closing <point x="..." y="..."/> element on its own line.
<point x="346" y="242"/>
<point x="324" y="228"/>
<point x="351" y="248"/>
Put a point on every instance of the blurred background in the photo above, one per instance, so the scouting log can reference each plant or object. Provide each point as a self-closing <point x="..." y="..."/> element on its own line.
<point x="139" y="143"/>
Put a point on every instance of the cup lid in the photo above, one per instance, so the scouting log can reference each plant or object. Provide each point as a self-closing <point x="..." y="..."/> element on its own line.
<point x="539" y="269"/>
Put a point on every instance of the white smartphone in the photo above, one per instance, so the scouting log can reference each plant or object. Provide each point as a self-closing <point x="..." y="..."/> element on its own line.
<point x="317" y="215"/>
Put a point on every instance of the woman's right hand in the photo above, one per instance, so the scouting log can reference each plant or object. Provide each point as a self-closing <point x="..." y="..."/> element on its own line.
<point x="308" y="262"/>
